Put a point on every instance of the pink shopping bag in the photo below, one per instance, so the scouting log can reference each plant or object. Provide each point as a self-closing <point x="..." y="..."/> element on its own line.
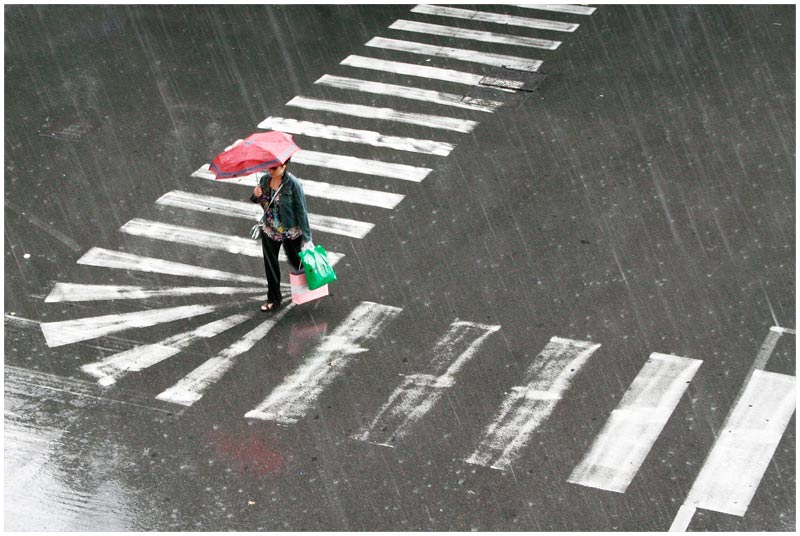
<point x="300" y="291"/>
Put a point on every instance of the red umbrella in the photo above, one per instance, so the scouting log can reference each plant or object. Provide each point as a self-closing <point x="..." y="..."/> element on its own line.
<point x="257" y="152"/>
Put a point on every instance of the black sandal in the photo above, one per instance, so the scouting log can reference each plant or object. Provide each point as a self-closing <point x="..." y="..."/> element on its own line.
<point x="270" y="307"/>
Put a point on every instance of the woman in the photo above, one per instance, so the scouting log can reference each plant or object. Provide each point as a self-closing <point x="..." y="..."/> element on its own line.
<point x="285" y="222"/>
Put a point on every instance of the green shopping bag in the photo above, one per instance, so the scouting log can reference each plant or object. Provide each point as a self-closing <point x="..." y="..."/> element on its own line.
<point x="317" y="267"/>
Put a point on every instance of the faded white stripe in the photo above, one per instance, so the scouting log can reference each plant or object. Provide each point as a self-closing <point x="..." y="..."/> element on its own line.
<point x="619" y="450"/>
<point x="424" y="71"/>
<point x="352" y="135"/>
<point x="412" y="93"/>
<point x="475" y="35"/>
<point x="241" y="209"/>
<point x="388" y="114"/>
<point x="76" y="292"/>
<point x="474" y="56"/>
<point x="291" y="400"/>
<point x="362" y="165"/>
<point x="193" y="386"/>
<point x="414" y="398"/>
<point x="323" y="190"/>
<point x="350" y="194"/>
<point x="559" y="8"/>
<point x="350" y="163"/>
<point x="483" y="16"/>
<point x="114" y="367"/>
<point x="745" y="445"/>
<point x="206" y="239"/>
<point x="530" y="405"/>
<point x="70" y="331"/>
<point x="105" y="258"/>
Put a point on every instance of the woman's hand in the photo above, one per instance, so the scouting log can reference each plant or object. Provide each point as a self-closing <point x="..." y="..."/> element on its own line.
<point x="257" y="191"/>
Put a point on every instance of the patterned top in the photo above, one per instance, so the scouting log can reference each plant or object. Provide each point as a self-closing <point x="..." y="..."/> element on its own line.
<point x="271" y="223"/>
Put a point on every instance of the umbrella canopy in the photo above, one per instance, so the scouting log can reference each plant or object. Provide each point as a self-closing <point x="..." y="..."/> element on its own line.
<point x="257" y="152"/>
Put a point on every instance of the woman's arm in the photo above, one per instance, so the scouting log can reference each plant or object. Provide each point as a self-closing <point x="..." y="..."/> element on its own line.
<point x="256" y="194"/>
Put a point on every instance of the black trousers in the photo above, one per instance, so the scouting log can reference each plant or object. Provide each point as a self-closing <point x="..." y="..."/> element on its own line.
<point x="271" y="248"/>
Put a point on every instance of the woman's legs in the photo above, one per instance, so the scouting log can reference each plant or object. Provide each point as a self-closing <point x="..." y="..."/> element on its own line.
<point x="270" y="249"/>
<point x="292" y="248"/>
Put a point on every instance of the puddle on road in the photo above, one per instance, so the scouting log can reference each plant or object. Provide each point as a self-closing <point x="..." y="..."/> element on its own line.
<point x="55" y="480"/>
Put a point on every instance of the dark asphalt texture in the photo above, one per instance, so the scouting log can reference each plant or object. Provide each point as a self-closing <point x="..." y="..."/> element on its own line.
<point x="642" y="197"/>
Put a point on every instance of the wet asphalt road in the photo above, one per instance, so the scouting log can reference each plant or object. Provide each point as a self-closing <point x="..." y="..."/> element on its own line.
<point x="642" y="198"/>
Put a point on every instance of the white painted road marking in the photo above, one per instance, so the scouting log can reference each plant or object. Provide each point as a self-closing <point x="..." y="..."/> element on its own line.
<point x="475" y="35"/>
<point x="114" y="367"/>
<point x="253" y="211"/>
<point x="205" y="239"/>
<point x="412" y="93"/>
<point x="388" y="114"/>
<point x="352" y="135"/>
<point x="558" y="8"/>
<point x="619" y="450"/>
<point x="425" y="71"/>
<point x="361" y="165"/>
<point x="702" y="490"/>
<point x="324" y="190"/>
<point x="75" y="292"/>
<point x="292" y="400"/>
<point x="474" y="56"/>
<point x="496" y="18"/>
<point x="529" y="406"/>
<point x="412" y="400"/>
<point x="193" y="386"/>
<point x="350" y="194"/>
<point x="366" y="166"/>
<point x="70" y="331"/>
<point x="106" y="258"/>
<point x="744" y="448"/>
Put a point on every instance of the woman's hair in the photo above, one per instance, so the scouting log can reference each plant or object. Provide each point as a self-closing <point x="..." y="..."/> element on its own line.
<point x="287" y="162"/>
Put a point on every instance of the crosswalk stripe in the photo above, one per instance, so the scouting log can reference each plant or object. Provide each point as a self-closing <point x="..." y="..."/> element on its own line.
<point x="291" y="400"/>
<point x="619" y="450"/>
<point x="112" y="368"/>
<point x="745" y="445"/>
<point x="704" y="488"/>
<point x="352" y="135"/>
<point x="71" y="331"/>
<point x="412" y="400"/>
<point x="473" y="56"/>
<point x="323" y="190"/>
<point x="425" y="71"/>
<point x="569" y="9"/>
<point x="253" y="211"/>
<point x="193" y="386"/>
<point x="362" y="165"/>
<point x="483" y="16"/>
<point x="206" y="239"/>
<point x="75" y="292"/>
<point x="404" y="92"/>
<point x="389" y="114"/>
<point x="105" y="258"/>
<point x="475" y="35"/>
<point x="529" y="406"/>
<point x="350" y="163"/>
